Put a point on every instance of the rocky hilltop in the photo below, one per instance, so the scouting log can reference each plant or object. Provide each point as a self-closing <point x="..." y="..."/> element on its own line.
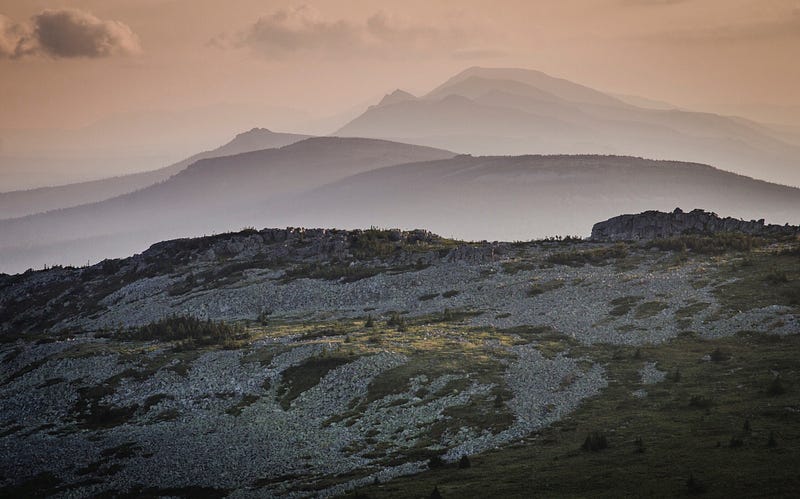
<point x="58" y="297"/>
<point x="656" y="224"/>
<point x="310" y="363"/>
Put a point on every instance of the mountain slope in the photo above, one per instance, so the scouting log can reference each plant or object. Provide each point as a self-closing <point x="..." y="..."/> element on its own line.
<point x="519" y="198"/>
<point x="508" y="111"/>
<point x="20" y="203"/>
<point x="558" y="87"/>
<point x="210" y="195"/>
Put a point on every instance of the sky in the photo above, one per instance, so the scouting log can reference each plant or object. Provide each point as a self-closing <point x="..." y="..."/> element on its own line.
<point x="67" y="64"/>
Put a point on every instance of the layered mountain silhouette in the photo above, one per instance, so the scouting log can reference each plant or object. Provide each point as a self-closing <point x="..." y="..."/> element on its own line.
<point x="211" y="195"/>
<point x="524" y="197"/>
<point x="263" y="178"/>
<point x="20" y="203"/>
<point x="516" y="111"/>
<point x="346" y="183"/>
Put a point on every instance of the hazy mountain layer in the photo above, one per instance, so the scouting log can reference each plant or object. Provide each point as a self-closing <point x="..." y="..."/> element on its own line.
<point x="210" y="195"/>
<point x="513" y="111"/>
<point x="330" y="182"/>
<point x="21" y="203"/>
<point x="519" y="198"/>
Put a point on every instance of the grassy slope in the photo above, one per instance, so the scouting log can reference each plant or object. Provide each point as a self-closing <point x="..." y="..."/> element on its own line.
<point x="679" y="440"/>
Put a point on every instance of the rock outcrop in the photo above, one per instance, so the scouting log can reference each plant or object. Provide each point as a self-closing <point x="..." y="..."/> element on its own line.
<point x="41" y="299"/>
<point x="657" y="224"/>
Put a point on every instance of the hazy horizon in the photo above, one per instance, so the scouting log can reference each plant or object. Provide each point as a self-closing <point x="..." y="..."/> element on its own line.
<point x="309" y="68"/>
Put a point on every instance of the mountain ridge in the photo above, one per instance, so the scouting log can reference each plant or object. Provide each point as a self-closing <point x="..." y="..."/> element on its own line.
<point x="505" y="111"/>
<point x="16" y="204"/>
<point x="212" y="195"/>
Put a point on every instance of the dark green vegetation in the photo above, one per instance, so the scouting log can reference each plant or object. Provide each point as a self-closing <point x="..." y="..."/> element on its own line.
<point x="762" y="278"/>
<point x="538" y="288"/>
<point x="330" y="271"/>
<point x="742" y="440"/>
<point x="716" y="244"/>
<point x="595" y="256"/>
<point x="190" y="331"/>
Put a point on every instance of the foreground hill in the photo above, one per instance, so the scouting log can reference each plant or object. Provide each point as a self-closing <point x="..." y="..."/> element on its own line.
<point x="20" y="203"/>
<point x="209" y="196"/>
<point x="524" y="197"/>
<point x="516" y="111"/>
<point x="393" y="362"/>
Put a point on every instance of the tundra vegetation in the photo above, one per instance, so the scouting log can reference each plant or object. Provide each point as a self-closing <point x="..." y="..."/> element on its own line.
<point x="588" y="364"/>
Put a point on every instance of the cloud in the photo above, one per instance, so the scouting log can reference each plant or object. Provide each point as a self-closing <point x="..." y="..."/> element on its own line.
<point x="305" y="30"/>
<point x="14" y="38"/>
<point x="66" y="33"/>
<point x="298" y="29"/>
<point x="391" y="29"/>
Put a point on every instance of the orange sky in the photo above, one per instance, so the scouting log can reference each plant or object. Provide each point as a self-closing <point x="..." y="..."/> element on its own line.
<point x="67" y="68"/>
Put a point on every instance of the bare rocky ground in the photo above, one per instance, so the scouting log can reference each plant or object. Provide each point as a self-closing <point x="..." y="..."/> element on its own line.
<point x="474" y="347"/>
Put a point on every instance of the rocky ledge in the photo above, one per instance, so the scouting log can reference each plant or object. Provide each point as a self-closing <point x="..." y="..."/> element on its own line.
<point x="657" y="224"/>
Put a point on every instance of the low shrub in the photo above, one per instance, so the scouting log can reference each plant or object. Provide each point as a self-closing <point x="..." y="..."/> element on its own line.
<point x="776" y="387"/>
<point x="398" y="322"/>
<point x="639" y="445"/>
<point x="775" y="277"/>
<point x="435" y="462"/>
<point x="188" y="329"/>
<point x="595" y="442"/>
<point x="695" y="486"/>
<point x="700" y="402"/>
<point x="714" y="244"/>
<point x="719" y="356"/>
<point x="772" y="442"/>
<point x="596" y="256"/>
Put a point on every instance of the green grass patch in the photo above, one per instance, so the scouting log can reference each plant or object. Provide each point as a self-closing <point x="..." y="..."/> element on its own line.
<point x="771" y="279"/>
<point x="660" y="440"/>
<point x="594" y="256"/>
<point x="715" y="244"/>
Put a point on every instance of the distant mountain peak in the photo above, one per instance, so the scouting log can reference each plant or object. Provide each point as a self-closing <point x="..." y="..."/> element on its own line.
<point x="396" y="97"/>
<point x="559" y="87"/>
<point x="255" y="131"/>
